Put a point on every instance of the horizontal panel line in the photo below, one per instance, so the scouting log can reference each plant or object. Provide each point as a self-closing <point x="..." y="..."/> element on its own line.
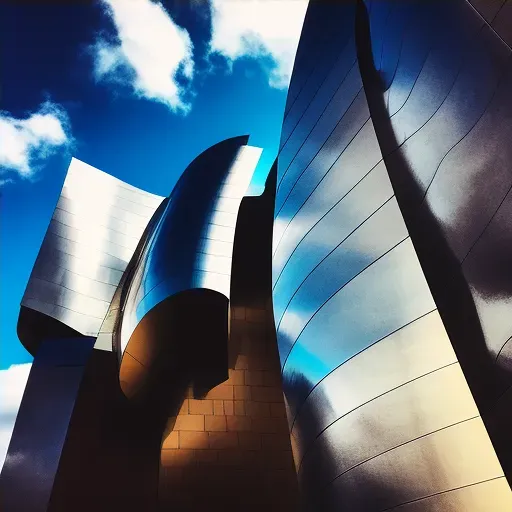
<point x="74" y="186"/>
<point x="313" y="99"/>
<point x="327" y="213"/>
<point x="104" y="225"/>
<point x="110" y="210"/>
<point x="111" y="206"/>
<point x="448" y="93"/>
<point x="469" y="131"/>
<point x="210" y="272"/>
<point x="337" y="291"/>
<point x="97" y="250"/>
<point x="355" y="355"/>
<point x="501" y="349"/>
<point x="354" y="64"/>
<point x="216" y="240"/>
<point x="473" y="245"/>
<point x="403" y="444"/>
<point x="325" y="140"/>
<point x="404" y="384"/>
<point x="57" y="306"/>
<point x="71" y="290"/>
<point x="96" y="226"/>
<point x="319" y="183"/>
<point x="394" y="507"/>
<point x="325" y="258"/>
<point x="131" y="355"/>
<point x="58" y="249"/>
<point x="85" y="277"/>
<point x="73" y="228"/>
<point x="221" y="226"/>
<point x="326" y="39"/>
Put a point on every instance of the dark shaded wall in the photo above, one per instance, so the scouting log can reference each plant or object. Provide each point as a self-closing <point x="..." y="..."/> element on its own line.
<point x="111" y="458"/>
<point x="42" y="423"/>
<point x="442" y="109"/>
<point x="252" y="264"/>
<point x="368" y="302"/>
<point x="229" y="449"/>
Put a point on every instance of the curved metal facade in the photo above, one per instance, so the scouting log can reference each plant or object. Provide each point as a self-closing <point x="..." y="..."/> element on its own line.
<point x="386" y="117"/>
<point x="191" y="244"/>
<point x="92" y="235"/>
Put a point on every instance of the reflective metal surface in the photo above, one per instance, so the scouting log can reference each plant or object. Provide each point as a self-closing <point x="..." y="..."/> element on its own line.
<point x="191" y="243"/>
<point x="393" y="171"/>
<point x="92" y="235"/>
<point x="42" y="424"/>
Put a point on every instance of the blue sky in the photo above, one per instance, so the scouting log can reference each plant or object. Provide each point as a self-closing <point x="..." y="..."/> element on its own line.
<point x="136" y="89"/>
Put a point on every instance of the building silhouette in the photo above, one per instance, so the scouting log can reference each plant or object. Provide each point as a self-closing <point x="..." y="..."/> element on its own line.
<point x="341" y="342"/>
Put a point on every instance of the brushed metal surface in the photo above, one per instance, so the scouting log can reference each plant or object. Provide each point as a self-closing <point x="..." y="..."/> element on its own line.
<point x="191" y="244"/>
<point x="405" y="119"/>
<point x="92" y="235"/>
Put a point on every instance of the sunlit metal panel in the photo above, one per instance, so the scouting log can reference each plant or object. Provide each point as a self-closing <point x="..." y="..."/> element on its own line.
<point x="191" y="244"/>
<point x="92" y="235"/>
<point x="366" y="357"/>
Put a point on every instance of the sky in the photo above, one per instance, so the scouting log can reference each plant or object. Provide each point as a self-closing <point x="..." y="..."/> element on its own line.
<point x="136" y="88"/>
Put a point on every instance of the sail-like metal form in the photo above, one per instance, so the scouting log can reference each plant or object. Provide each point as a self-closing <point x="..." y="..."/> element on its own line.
<point x="92" y="235"/>
<point x="392" y="226"/>
<point x="191" y="244"/>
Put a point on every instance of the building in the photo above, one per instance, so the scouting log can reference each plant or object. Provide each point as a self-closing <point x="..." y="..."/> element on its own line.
<point x="341" y="342"/>
<point x="138" y="398"/>
<point x="393" y="223"/>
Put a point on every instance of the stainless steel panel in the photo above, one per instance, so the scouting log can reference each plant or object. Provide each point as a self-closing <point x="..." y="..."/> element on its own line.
<point x="200" y="219"/>
<point x="318" y="242"/>
<point x="61" y="296"/>
<point x="64" y="213"/>
<point x="81" y="322"/>
<point x="488" y="8"/>
<point x="332" y="90"/>
<point x="328" y="61"/>
<point x="347" y="172"/>
<point x="353" y="255"/>
<point x="81" y="266"/>
<point x="361" y="343"/>
<point x="448" y="154"/>
<point x="492" y="495"/>
<point x="91" y="237"/>
<point x="453" y="198"/>
<point x="487" y="269"/>
<point x="432" y="464"/>
<point x="399" y="295"/>
<point x="502" y="23"/>
<point x="461" y="109"/>
<point x="325" y="144"/>
<point x="417" y="349"/>
<point x="434" y="401"/>
<point x="445" y="58"/>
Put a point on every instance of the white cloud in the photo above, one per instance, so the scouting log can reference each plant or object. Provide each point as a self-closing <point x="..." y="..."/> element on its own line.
<point x="148" y="54"/>
<point x="24" y="142"/>
<point x="259" y="28"/>
<point x="12" y="385"/>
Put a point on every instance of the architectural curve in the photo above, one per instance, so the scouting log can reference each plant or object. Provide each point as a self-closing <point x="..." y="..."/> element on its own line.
<point x="92" y="235"/>
<point x="191" y="244"/>
<point x="375" y="362"/>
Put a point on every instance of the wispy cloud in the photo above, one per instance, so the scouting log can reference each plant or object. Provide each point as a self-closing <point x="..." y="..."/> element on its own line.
<point x="150" y="53"/>
<point x="12" y="385"/>
<point x="24" y="143"/>
<point x="259" y="29"/>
